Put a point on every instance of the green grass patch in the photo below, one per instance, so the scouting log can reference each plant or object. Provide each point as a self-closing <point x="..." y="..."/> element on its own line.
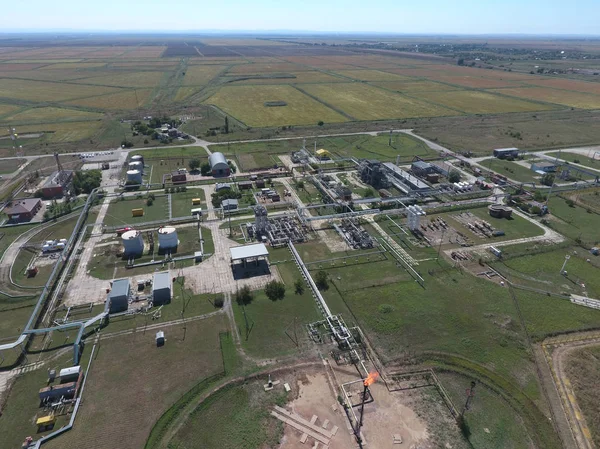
<point x="119" y="211"/>
<point x="510" y="169"/>
<point x="181" y="203"/>
<point x="575" y="222"/>
<point x="580" y="159"/>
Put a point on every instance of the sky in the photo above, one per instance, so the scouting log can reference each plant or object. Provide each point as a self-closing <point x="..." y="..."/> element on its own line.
<point x="347" y="16"/>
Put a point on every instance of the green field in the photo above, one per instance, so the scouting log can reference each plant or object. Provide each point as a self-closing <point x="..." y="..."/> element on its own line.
<point x="182" y="202"/>
<point x="575" y="222"/>
<point x="473" y="102"/>
<point x="510" y="169"/>
<point x="578" y="159"/>
<point x="119" y="211"/>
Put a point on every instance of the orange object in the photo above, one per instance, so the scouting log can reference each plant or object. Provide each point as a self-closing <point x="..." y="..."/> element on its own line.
<point x="371" y="379"/>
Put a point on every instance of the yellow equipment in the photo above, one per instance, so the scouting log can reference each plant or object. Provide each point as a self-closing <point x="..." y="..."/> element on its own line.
<point x="196" y="201"/>
<point x="137" y="212"/>
<point x="44" y="421"/>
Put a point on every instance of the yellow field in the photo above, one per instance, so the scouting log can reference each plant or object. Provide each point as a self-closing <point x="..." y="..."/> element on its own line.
<point x="201" y="75"/>
<point x="42" y="91"/>
<point x="364" y="102"/>
<point x="298" y="78"/>
<point x="563" y="97"/>
<point x="475" y="102"/>
<point x="42" y="75"/>
<point x="415" y="86"/>
<point x="237" y="42"/>
<point x="41" y="61"/>
<point x="64" y="132"/>
<point x="124" y="79"/>
<point x="371" y="75"/>
<point x="52" y="114"/>
<point x="185" y="92"/>
<point x="122" y="100"/>
<point x="573" y="85"/>
<point x="247" y="105"/>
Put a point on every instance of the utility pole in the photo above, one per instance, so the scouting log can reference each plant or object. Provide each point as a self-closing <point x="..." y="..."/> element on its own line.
<point x="441" y="241"/>
<point x="470" y="395"/>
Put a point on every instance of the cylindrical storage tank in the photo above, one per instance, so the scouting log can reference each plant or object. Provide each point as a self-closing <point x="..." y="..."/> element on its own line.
<point x="137" y="158"/>
<point x="133" y="243"/>
<point x="136" y="165"/>
<point x="167" y="237"/>
<point x="134" y="176"/>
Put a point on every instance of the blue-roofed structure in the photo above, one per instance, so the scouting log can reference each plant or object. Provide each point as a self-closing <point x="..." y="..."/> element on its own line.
<point x="118" y="297"/>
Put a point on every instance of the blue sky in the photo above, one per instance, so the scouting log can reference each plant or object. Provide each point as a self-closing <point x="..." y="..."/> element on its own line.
<point x="394" y="16"/>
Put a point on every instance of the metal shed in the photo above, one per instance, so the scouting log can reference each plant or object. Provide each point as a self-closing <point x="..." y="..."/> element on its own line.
<point x="229" y="204"/>
<point x="218" y="164"/>
<point x="118" y="297"/>
<point x="69" y="374"/>
<point x="161" y="288"/>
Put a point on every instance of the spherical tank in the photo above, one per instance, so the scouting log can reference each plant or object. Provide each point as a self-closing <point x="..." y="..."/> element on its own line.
<point x="167" y="237"/>
<point x="135" y="176"/>
<point x="133" y="243"/>
<point x="136" y="165"/>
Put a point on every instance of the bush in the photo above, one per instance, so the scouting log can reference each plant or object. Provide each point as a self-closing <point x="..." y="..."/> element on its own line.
<point x="454" y="175"/>
<point x="321" y="123"/>
<point x="385" y="308"/>
<point x="275" y="290"/>
<point x="219" y="302"/>
<point x="244" y="296"/>
<point x="321" y="280"/>
<point x="194" y="164"/>
<point x="149" y="202"/>
<point x="547" y="179"/>
<point x="570" y="202"/>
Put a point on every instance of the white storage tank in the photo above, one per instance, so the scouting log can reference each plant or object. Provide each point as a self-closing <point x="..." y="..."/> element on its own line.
<point x="137" y="158"/>
<point x="133" y="243"/>
<point x="167" y="237"/>
<point x="136" y="165"/>
<point x="134" y="176"/>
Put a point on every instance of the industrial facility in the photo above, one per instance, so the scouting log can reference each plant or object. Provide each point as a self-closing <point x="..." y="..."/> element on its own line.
<point x="133" y="243"/>
<point x="118" y="296"/>
<point x="161" y="289"/>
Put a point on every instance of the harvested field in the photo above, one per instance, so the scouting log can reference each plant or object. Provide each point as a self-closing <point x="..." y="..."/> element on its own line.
<point x="144" y="393"/>
<point x="371" y="75"/>
<point x="549" y="95"/>
<point x="74" y="65"/>
<point x="476" y="82"/>
<point x="120" y="79"/>
<point x="65" y="131"/>
<point x="277" y="67"/>
<point x="43" y="91"/>
<point x="201" y="75"/>
<point x="122" y="100"/>
<point x="572" y="85"/>
<point x="145" y="52"/>
<point x="8" y="108"/>
<point x="474" y="102"/>
<point x="52" y="114"/>
<point x="365" y="102"/>
<point x="415" y="86"/>
<point x="291" y="78"/>
<point x="247" y="105"/>
<point x="185" y="92"/>
<point x="8" y="67"/>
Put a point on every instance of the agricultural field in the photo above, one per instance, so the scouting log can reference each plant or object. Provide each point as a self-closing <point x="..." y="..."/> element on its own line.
<point x="413" y="86"/>
<point x="201" y="75"/>
<point x="248" y="106"/>
<point x="137" y="79"/>
<point x="473" y="102"/>
<point x="566" y="98"/>
<point x="46" y="91"/>
<point x="371" y="75"/>
<point x="50" y="114"/>
<point x="123" y="100"/>
<point x="363" y="102"/>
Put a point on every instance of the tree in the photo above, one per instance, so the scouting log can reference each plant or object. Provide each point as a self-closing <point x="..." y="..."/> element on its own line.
<point x="219" y="302"/>
<point x="461" y="61"/>
<point x="299" y="286"/>
<point x="454" y="175"/>
<point x="243" y="296"/>
<point x="86" y="181"/>
<point x="149" y="202"/>
<point x="369" y="193"/>
<point x="205" y="169"/>
<point x="547" y="179"/>
<point x="535" y="210"/>
<point x="321" y="123"/>
<point x="570" y="202"/>
<point x="231" y="167"/>
<point x="194" y="164"/>
<point x="321" y="280"/>
<point x="226" y="125"/>
<point x="275" y="290"/>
